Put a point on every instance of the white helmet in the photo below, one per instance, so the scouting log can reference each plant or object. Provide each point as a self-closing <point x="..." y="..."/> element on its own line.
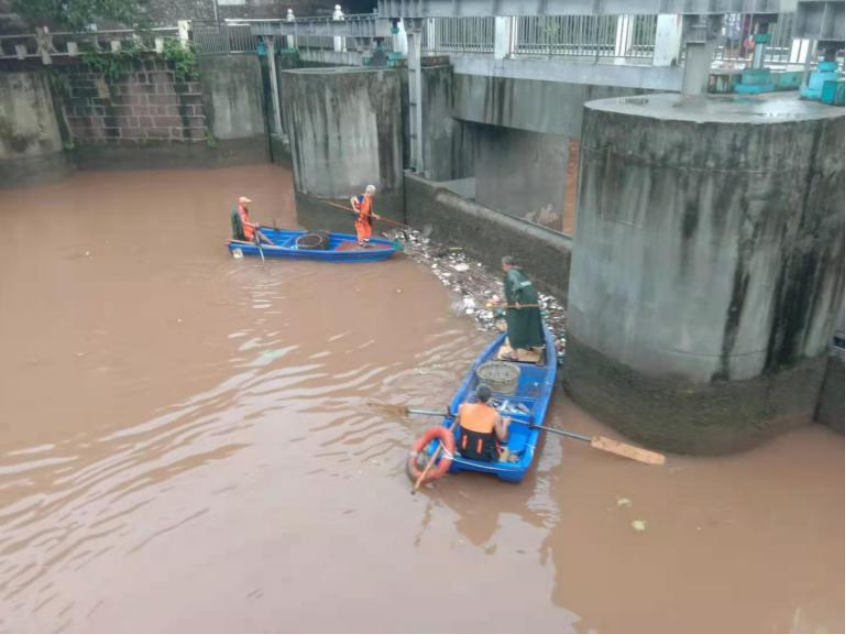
<point x="370" y="189"/>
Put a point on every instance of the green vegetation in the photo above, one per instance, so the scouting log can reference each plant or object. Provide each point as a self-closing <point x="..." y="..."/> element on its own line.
<point x="113" y="65"/>
<point x="77" y="14"/>
<point x="182" y="58"/>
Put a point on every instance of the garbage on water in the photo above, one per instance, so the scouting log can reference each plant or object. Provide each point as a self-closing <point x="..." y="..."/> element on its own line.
<point x="639" y="525"/>
<point x="477" y="289"/>
<point x="237" y="254"/>
<point x="624" y="502"/>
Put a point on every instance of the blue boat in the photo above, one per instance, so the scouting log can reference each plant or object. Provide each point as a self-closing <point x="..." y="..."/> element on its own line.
<point x="342" y="247"/>
<point x="526" y="407"/>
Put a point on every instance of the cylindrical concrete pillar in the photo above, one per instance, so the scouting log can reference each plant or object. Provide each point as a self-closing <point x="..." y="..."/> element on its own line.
<point x="708" y="266"/>
<point x="345" y="129"/>
<point x="31" y="148"/>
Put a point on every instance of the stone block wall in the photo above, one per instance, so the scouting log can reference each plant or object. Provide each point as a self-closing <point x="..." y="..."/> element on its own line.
<point x="148" y="104"/>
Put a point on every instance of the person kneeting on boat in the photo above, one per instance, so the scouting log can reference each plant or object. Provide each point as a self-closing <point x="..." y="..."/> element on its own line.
<point x="522" y="312"/>
<point x="363" y="206"/>
<point x="242" y="227"/>
<point x="481" y="428"/>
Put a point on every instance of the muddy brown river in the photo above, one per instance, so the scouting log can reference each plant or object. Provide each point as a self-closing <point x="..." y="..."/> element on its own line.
<point x="186" y="446"/>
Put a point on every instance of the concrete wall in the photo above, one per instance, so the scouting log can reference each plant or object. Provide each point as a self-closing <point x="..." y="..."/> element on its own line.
<point x="534" y="105"/>
<point x="448" y="151"/>
<point x="830" y="410"/>
<point x="708" y="266"/>
<point x="234" y="96"/>
<point x="30" y="142"/>
<point x="147" y="104"/>
<point x="522" y="174"/>
<point x="488" y="235"/>
<point x="150" y="118"/>
<point x="345" y="128"/>
<point x="572" y="71"/>
<point x="831" y="401"/>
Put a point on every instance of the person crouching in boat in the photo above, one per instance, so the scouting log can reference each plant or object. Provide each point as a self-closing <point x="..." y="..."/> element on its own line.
<point x="242" y="227"/>
<point x="481" y="428"/>
<point x="363" y="206"/>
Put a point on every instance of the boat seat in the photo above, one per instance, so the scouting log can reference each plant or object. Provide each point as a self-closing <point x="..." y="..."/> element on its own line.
<point x="518" y="437"/>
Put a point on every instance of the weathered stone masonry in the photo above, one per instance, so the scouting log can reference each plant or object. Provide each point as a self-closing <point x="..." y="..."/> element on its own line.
<point x="148" y="104"/>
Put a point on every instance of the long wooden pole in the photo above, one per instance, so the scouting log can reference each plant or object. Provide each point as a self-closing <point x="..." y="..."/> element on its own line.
<point x="350" y="209"/>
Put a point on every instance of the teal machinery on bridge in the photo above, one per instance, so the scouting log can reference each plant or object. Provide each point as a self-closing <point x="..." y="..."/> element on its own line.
<point x="758" y="78"/>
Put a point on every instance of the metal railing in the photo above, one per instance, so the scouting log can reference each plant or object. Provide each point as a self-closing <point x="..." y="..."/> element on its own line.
<point x="572" y="35"/>
<point x="212" y="38"/>
<point x="459" y="35"/>
<point x="46" y="45"/>
<point x="578" y="35"/>
<point x="735" y="47"/>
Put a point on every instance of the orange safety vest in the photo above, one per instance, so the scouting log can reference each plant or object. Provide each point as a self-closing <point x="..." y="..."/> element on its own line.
<point x="478" y="437"/>
<point x="364" y="207"/>
<point x="478" y="417"/>
<point x="249" y="232"/>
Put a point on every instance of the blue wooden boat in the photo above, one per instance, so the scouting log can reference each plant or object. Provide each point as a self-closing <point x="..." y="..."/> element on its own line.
<point x="526" y="407"/>
<point x="285" y="246"/>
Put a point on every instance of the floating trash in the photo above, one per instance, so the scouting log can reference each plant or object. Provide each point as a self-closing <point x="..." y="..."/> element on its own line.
<point x="478" y="288"/>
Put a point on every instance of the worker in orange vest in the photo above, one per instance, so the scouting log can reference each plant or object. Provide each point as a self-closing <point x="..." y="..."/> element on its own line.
<point x="242" y="227"/>
<point x="363" y="205"/>
<point x="481" y="427"/>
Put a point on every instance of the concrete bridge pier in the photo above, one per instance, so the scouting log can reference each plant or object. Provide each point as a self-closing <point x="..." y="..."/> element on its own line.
<point x="345" y="129"/>
<point x="707" y="278"/>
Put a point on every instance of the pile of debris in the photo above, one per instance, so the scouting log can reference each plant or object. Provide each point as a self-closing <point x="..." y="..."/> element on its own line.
<point x="476" y="288"/>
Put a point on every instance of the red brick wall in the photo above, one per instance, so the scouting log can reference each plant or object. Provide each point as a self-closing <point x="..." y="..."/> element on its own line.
<point x="146" y="105"/>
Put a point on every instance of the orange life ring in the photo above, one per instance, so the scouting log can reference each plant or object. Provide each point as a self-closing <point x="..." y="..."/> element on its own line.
<point x="445" y="436"/>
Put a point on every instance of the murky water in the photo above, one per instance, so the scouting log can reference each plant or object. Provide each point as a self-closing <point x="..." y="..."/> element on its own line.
<point x="186" y="446"/>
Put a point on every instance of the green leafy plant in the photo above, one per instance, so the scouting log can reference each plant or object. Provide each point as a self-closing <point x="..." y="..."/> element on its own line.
<point x="182" y="58"/>
<point x="113" y="65"/>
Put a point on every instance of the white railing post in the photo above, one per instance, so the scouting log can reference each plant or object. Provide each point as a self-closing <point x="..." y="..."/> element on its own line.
<point x="400" y="38"/>
<point x="45" y="44"/>
<point x="415" y="93"/>
<point x="625" y="26"/>
<point x="668" y="39"/>
<point x="340" y="44"/>
<point x="270" y="48"/>
<point x="505" y="37"/>
<point x="184" y="27"/>
<point x="292" y="39"/>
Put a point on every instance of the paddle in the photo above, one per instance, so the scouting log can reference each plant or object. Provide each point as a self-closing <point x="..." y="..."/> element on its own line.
<point x="350" y="209"/>
<point x="491" y="305"/>
<point x="258" y="244"/>
<point x="598" y="442"/>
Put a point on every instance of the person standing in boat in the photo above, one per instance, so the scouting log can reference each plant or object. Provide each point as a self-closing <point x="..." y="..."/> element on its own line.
<point x="481" y="427"/>
<point x="242" y="227"/>
<point x="363" y="206"/>
<point x="522" y="312"/>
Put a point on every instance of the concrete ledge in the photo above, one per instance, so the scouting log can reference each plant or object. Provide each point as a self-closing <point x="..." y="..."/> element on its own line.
<point x="316" y="213"/>
<point x="173" y="155"/>
<point x="488" y="235"/>
<point x="830" y="410"/>
<point x="560" y="69"/>
<point x="672" y="414"/>
<point x="45" y="168"/>
<point x="525" y="103"/>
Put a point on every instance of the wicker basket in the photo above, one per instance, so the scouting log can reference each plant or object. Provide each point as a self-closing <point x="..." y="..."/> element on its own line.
<point x="502" y="377"/>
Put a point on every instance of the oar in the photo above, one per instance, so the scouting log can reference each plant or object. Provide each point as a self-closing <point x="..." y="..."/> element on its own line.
<point x="350" y="209"/>
<point x="258" y="244"/>
<point x="609" y="445"/>
<point x="600" y="443"/>
<point x="490" y="305"/>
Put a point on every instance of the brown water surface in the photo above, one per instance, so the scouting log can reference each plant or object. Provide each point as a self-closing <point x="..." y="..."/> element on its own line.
<point x="186" y="446"/>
